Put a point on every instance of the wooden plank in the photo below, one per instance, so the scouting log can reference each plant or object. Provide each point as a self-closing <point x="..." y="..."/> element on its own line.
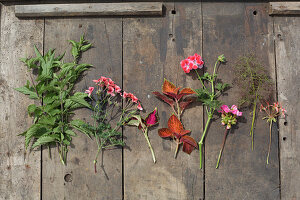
<point x="153" y="48"/>
<point x="89" y="9"/>
<point x="19" y="171"/>
<point x="287" y="43"/>
<point x="78" y="180"/>
<point x="284" y="8"/>
<point x="234" y="29"/>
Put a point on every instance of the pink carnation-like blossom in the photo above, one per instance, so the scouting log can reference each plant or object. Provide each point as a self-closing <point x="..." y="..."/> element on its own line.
<point x="139" y="106"/>
<point x="111" y="91"/>
<point x="117" y="89"/>
<point x="192" y="62"/>
<point x="89" y="91"/>
<point x="234" y="110"/>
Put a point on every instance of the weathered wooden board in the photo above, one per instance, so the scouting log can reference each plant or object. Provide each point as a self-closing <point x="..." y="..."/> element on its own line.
<point x="19" y="170"/>
<point x="287" y="48"/>
<point x="153" y="48"/>
<point x="234" y="29"/>
<point x="88" y="9"/>
<point x="77" y="180"/>
<point x="284" y="8"/>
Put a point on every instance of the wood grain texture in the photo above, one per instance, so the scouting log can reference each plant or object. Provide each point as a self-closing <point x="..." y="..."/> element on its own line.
<point x="287" y="48"/>
<point x="88" y="9"/>
<point x="106" y="36"/>
<point x="19" y="170"/>
<point x="153" y="48"/>
<point x="235" y="29"/>
<point x="284" y="8"/>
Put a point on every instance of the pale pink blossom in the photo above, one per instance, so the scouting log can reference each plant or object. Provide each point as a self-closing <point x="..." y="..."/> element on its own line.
<point x="89" y="91"/>
<point x="139" y="106"/>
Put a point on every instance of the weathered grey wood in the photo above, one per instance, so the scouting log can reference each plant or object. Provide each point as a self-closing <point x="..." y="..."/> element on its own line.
<point x="88" y="9"/>
<point x="284" y="8"/>
<point x="153" y="48"/>
<point x="106" y="56"/>
<point x="287" y="48"/>
<point x="235" y="29"/>
<point x="19" y="171"/>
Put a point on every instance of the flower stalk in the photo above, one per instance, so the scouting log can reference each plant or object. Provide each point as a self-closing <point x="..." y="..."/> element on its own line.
<point x="206" y="96"/>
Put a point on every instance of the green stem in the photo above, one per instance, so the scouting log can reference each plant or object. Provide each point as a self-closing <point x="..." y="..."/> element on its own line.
<point x="269" y="150"/>
<point x="213" y="79"/>
<point x="95" y="160"/>
<point x="149" y="144"/>
<point x="202" y="138"/>
<point x="252" y="125"/>
<point x="223" y="144"/>
<point x="60" y="154"/>
<point x="200" y="79"/>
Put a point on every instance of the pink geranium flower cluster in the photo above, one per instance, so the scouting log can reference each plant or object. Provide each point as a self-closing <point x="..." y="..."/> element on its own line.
<point x="273" y="110"/>
<point x="108" y="85"/>
<point x="229" y="115"/>
<point x="192" y="62"/>
<point x="234" y="110"/>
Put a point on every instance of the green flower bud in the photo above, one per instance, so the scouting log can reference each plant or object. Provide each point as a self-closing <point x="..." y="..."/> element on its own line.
<point x="222" y="58"/>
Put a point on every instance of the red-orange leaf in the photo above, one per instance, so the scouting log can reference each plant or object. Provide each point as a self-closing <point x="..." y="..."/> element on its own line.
<point x="174" y="124"/>
<point x="164" y="98"/>
<point x="184" y="132"/>
<point x="187" y="91"/>
<point x="169" y="87"/>
<point x="189" y="144"/>
<point x="185" y="103"/>
<point x="164" y="133"/>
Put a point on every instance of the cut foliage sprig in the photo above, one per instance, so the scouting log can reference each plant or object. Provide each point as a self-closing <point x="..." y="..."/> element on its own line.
<point x="229" y="118"/>
<point x="53" y="89"/>
<point x="106" y="108"/>
<point x="256" y="85"/>
<point x="208" y="96"/>
<point x="144" y="125"/>
<point x="178" y="100"/>
<point x="272" y="111"/>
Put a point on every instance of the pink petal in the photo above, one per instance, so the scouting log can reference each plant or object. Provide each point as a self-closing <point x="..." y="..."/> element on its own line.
<point x="139" y="106"/>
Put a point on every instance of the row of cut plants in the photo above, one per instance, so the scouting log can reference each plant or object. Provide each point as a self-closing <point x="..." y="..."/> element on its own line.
<point x="112" y="108"/>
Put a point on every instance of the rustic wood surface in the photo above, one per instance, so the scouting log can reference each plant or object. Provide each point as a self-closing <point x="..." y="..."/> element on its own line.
<point x="19" y="170"/>
<point x="139" y="52"/>
<point x="153" y="49"/>
<point x="78" y="180"/>
<point x="284" y="8"/>
<point x="287" y="47"/>
<point x="88" y="9"/>
<point x="235" y="29"/>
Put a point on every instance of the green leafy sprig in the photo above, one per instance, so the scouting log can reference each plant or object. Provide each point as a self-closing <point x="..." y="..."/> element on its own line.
<point x="108" y="107"/>
<point x="255" y="84"/>
<point x="52" y="87"/>
<point x="208" y="97"/>
<point x="207" y="94"/>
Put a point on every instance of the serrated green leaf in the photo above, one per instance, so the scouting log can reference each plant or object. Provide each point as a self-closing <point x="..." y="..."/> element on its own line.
<point x="48" y="139"/>
<point x="85" y="47"/>
<point x="79" y="98"/>
<point x="31" y="109"/>
<point x="71" y="133"/>
<point x="24" y="90"/>
<point x="81" y="126"/>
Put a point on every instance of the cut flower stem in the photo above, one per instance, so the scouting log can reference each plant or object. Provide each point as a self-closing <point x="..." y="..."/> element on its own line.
<point x="222" y="148"/>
